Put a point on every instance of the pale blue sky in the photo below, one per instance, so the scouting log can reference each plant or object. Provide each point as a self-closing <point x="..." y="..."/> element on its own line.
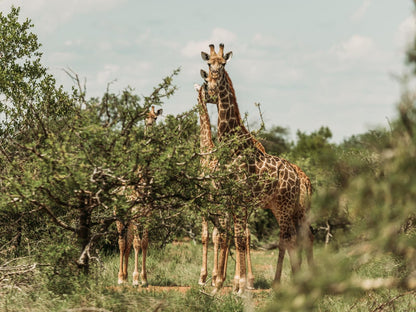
<point x="309" y="63"/>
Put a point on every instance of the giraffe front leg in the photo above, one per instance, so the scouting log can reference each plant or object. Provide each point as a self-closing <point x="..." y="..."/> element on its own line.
<point x="240" y="240"/>
<point x="223" y="256"/>
<point x="204" y="240"/>
<point x="226" y="244"/>
<point x="250" y="276"/>
<point x="236" y="281"/>
<point x="216" y="243"/>
<point x="136" y="246"/>
<point x="122" y="276"/>
<point x="145" y="247"/>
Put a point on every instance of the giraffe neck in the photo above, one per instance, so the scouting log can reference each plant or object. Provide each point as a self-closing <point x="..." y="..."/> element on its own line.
<point x="229" y="118"/>
<point x="205" y="135"/>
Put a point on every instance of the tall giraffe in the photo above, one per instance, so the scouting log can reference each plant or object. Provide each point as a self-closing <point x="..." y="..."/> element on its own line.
<point x="128" y="233"/>
<point x="203" y="99"/>
<point x="221" y="222"/>
<point x="306" y="236"/>
<point x="280" y="192"/>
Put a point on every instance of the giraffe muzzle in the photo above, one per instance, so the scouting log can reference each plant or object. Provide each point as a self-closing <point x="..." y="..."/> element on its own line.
<point x="215" y="74"/>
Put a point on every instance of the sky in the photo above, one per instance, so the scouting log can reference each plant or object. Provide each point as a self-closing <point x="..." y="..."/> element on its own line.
<point x="308" y="63"/>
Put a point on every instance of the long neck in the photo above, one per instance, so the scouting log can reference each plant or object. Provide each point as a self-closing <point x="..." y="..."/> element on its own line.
<point x="229" y="118"/>
<point x="205" y="135"/>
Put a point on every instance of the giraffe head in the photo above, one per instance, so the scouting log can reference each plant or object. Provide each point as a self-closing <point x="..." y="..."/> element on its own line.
<point x="216" y="63"/>
<point x="152" y="116"/>
<point x="208" y="96"/>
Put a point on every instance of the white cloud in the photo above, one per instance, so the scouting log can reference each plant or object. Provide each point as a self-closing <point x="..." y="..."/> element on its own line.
<point x="222" y="35"/>
<point x="217" y="36"/>
<point x="107" y="74"/>
<point x="264" y="40"/>
<point x="355" y="48"/>
<point x="361" y="11"/>
<point x="50" y="14"/>
<point x="406" y="32"/>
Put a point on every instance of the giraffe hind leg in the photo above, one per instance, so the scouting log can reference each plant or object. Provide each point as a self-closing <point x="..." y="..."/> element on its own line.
<point x="145" y="247"/>
<point x="279" y="266"/>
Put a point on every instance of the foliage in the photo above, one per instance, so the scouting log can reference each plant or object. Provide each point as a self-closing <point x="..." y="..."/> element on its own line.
<point x="275" y="140"/>
<point x="64" y="159"/>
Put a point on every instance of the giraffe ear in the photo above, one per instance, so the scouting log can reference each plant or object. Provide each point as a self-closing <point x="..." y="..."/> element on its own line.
<point x="197" y="87"/>
<point x="159" y="112"/>
<point x="205" y="56"/>
<point x="204" y="74"/>
<point x="228" y="55"/>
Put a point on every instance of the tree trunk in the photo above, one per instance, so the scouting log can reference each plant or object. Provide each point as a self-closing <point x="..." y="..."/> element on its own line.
<point x="84" y="236"/>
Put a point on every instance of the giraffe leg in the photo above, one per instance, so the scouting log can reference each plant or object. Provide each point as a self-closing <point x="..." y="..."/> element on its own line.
<point x="236" y="285"/>
<point x="227" y="251"/>
<point x="136" y="246"/>
<point x="145" y="247"/>
<point x="239" y="230"/>
<point x="216" y="241"/>
<point x="126" y="259"/>
<point x="309" y="245"/>
<point x="306" y="240"/>
<point x="204" y="239"/>
<point x="122" y="277"/>
<point x="279" y="266"/>
<point x="223" y="244"/>
<point x="290" y="241"/>
<point x="250" y="276"/>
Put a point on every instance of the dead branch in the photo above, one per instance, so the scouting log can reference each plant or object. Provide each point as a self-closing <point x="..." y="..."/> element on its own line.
<point x="328" y="235"/>
<point x="389" y="302"/>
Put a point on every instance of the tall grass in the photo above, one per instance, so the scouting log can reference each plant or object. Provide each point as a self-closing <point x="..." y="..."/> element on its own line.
<point x="179" y="264"/>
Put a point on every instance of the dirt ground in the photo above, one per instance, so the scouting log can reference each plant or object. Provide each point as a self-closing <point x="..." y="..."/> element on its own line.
<point x="184" y="289"/>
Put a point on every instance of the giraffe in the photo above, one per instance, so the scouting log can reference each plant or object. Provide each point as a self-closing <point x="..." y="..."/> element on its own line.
<point x="129" y="232"/>
<point x="280" y="192"/>
<point x="203" y="98"/>
<point x="221" y="226"/>
<point x="306" y="236"/>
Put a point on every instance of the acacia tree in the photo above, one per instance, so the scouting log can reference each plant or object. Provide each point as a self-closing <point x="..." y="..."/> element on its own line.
<point x="63" y="158"/>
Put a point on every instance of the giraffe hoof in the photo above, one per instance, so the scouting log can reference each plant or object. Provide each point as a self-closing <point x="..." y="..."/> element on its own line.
<point x="241" y="293"/>
<point x="202" y="281"/>
<point x="144" y="284"/>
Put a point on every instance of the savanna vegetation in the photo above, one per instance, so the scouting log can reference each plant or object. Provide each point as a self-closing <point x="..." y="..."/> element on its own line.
<point x="64" y="157"/>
